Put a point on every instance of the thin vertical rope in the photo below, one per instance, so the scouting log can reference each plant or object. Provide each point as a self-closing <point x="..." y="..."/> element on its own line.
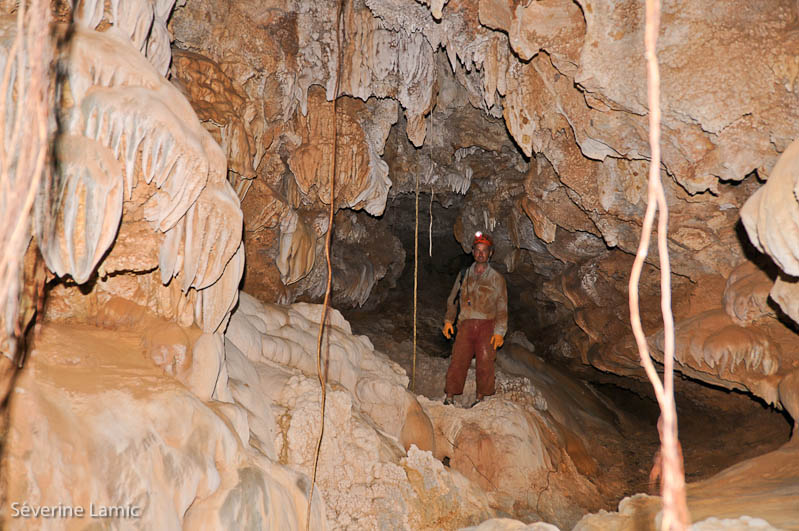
<point x="321" y="375"/>
<point x="675" y="510"/>
<point x="415" y="282"/>
<point x="432" y="190"/>
<point x="430" y="228"/>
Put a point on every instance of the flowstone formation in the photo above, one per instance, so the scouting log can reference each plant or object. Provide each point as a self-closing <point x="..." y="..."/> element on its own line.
<point x="370" y="423"/>
<point x="381" y="457"/>
<point x="770" y="224"/>
<point x="144" y="231"/>
<point x="133" y="161"/>
<point x="94" y="424"/>
<point x="190" y="458"/>
<point x="564" y="189"/>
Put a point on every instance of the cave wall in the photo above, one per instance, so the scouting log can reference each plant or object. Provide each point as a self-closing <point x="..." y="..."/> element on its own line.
<point x="531" y="118"/>
<point x="513" y="114"/>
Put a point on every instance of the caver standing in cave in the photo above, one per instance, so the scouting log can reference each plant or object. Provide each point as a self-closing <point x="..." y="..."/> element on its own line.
<point x="482" y="295"/>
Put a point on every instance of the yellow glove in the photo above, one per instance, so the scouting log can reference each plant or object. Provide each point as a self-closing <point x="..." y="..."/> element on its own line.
<point x="497" y="341"/>
<point x="447" y="330"/>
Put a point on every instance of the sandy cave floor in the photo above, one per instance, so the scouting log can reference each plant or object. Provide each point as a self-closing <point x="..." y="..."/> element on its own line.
<point x="717" y="428"/>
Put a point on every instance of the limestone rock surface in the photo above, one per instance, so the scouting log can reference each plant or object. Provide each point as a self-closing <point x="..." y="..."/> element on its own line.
<point x="755" y="494"/>
<point x="93" y="421"/>
<point x="544" y="71"/>
<point x="378" y="441"/>
<point x="525" y="119"/>
<point x="134" y="155"/>
<point x="769" y="218"/>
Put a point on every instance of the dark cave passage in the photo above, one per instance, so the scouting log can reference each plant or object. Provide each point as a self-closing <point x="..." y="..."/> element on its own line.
<point x="718" y="428"/>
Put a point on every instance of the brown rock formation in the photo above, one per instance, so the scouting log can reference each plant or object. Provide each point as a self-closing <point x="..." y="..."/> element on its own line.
<point x="185" y="148"/>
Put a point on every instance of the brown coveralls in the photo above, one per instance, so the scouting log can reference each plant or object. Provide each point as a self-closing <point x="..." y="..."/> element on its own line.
<point x="483" y="313"/>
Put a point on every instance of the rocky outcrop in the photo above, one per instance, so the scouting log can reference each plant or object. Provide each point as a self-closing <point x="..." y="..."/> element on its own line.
<point x="96" y="425"/>
<point x="26" y="103"/>
<point x="133" y="157"/>
<point x="377" y="442"/>
<point x="517" y="453"/>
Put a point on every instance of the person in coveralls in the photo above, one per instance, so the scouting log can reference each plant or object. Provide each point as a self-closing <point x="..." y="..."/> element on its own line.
<point x="482" y="295"/>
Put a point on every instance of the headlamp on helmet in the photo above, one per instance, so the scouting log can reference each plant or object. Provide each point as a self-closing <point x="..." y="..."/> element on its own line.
<point x="479" y="237"/>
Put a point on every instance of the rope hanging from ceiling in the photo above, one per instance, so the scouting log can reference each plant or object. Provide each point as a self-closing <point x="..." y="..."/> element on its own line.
<point x="675" y="509"/>
<point x="322" y="375"/>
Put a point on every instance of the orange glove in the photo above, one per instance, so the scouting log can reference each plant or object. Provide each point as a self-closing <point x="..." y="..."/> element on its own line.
<point x="448" y="330"/>
<point x="497" y="341"/>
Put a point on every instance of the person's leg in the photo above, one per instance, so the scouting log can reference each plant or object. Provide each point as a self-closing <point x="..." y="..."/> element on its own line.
<point x="486" y="356"/>
<point x="462" y="353"/>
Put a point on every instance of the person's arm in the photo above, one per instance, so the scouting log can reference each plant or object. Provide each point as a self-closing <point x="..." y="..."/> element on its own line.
<point x="452" y="303"/>
<point x="501" y="318"/>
